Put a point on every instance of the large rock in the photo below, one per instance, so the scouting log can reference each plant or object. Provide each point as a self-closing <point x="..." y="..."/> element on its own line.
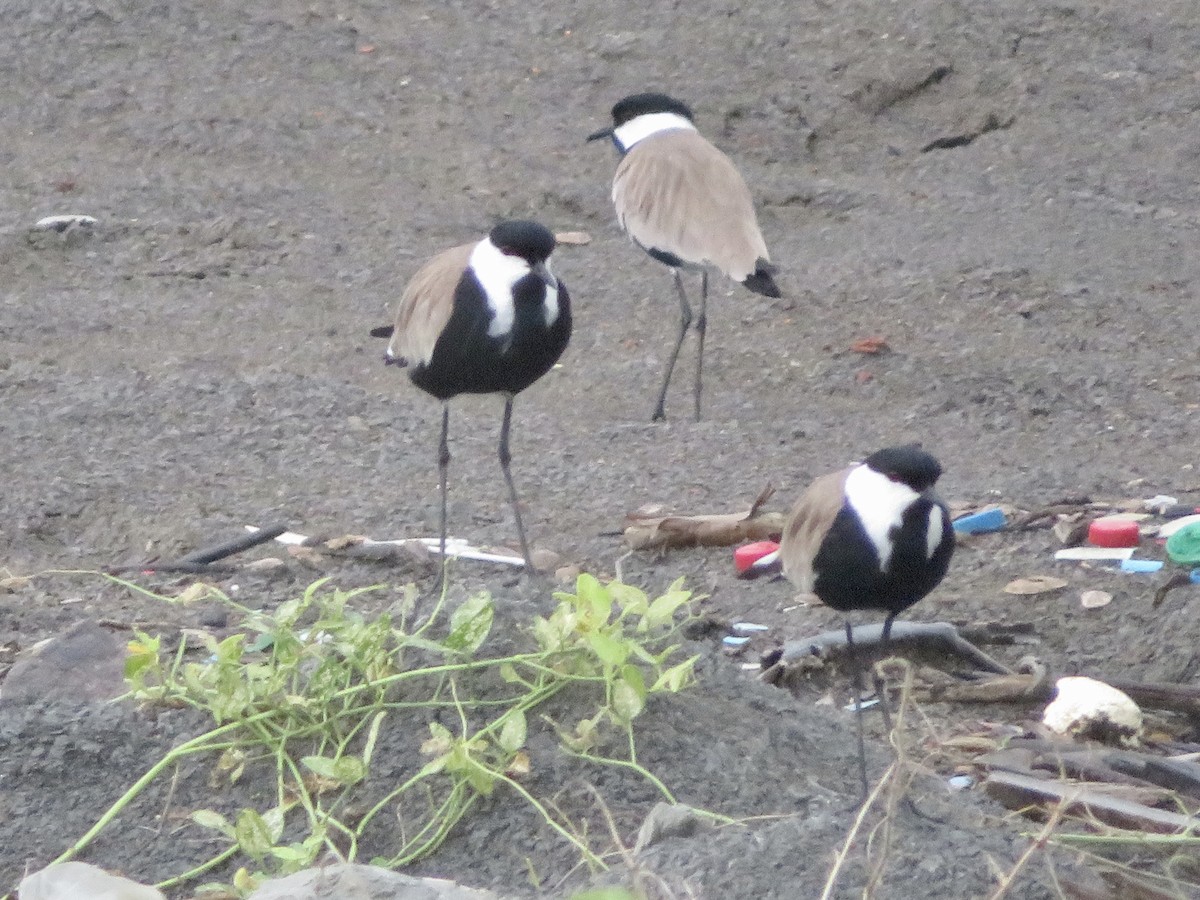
<point x="348" y="881"/>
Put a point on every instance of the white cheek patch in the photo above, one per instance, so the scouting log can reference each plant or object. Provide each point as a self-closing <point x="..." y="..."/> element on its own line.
<point x="933" y="537"/>
<point x="879" y="503"/>
<point x="642" y="127"/>
<point x="497" y="273"/>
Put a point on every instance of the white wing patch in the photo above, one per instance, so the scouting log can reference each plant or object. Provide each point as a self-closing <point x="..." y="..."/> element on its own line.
<point x="497" y="273"/>
<point x="643" y="126"/>
<point x="879" y="503"/>
<point x="933" y="537"/>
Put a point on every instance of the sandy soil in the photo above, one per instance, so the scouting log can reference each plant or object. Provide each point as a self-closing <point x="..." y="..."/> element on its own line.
<point x="266" y="176"/>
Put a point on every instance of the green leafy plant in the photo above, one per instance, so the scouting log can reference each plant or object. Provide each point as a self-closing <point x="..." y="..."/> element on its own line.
<point x="307" y="688"/>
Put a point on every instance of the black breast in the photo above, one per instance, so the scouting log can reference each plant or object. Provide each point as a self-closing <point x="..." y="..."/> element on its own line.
<point x="467" y="360"/>
<point x="848" y="575"/>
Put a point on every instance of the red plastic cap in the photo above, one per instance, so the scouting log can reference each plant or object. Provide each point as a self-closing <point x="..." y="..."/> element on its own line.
<point x="1113" y="533"/>
<point x="748" y="554"/>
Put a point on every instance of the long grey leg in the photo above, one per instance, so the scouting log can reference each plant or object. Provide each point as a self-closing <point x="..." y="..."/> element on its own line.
<point x="685" y="319"/>
<point x="701" y="325"/>
<point x="878" y="683"/>
<point x="443" y="471"/>
<point x="857" y="683"/>
<point x="505" y="459"/>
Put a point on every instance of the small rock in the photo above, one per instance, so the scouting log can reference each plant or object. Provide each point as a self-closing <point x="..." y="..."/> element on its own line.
<point x="82" y="881"/>
<point x="86" y="664"/>
<point x="1088" y="709"/>
<point x="667" y="820"/>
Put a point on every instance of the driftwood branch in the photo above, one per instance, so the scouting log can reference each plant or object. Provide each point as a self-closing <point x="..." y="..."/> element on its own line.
<point x="1018" y="791"/>
<point x="649" y="531"/>
<point x="941" y="637"/>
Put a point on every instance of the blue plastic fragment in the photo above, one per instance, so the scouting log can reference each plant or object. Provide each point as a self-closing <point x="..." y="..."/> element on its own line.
<point x="731" y="641"/>
<point x="983" y="521"/>
<point x="1194" y="575"/>
<point x="1141" y="565"/>
<point x="960" y="782"/>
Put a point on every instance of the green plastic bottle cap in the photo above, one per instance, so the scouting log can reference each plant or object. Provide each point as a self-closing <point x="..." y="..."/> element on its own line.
<point x="1184" y="545"/>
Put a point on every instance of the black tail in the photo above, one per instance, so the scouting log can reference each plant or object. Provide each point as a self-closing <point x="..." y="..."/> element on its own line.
<point x="763" y="279"/>
<point x="383" y="331"/>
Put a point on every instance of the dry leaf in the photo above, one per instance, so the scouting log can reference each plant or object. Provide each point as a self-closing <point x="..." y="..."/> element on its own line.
<point x="1035" y="584"/>
<point x="1095" y="599"/>
<point x="578" y="238"/>
<point x="14" y="583"/>
<point x="870" y="345"/>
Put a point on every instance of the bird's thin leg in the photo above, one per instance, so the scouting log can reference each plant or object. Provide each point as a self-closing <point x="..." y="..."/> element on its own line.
<point x="505" y="459"/>
<point x="443" y="472"/>
<point x="878" y="682"/>
<point x="701" y="325"/>
<point x="856" y="682"/>
<point x="685" y="320"/>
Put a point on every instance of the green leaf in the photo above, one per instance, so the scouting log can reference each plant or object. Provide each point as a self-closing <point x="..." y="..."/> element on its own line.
<point x="631" y="599"/>
<point x="470" y="623"/>
<point x="513" y="732"/>
<point x="594" y="601"/>
<point x="345" y="770"/>
<point x="627" y="702"/>
<point x="633" y="676"/>
<point x="663" y="609"/>
<point x="274" y="819"/>
<point x="253" y="834"/>
<point x="606" y="893"/>
<point x="207" y="818"/>
<point x="481" y="779"/>
<point x="610" y="650"/>
<point x="675" y="678"/>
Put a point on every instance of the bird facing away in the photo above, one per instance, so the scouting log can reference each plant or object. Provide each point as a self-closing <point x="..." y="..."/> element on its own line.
<point x="870" y="537"/>
<point x="482" y="318"/>
<point x="681" y="200"/>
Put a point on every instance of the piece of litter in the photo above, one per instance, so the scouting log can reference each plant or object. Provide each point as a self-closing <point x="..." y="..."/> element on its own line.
<point x="1141" y="566"/>
<point x="1114" y="531"/>
<point x="748" y="628"/>
<point x="1194" y="576"/>
<point x="757" y="667"/>
<point x="458" y="548"/>
<point x="1035" y="584"/>
<point x="1169" y="528"/>
<point x="64" y="223"/>
<point x="862" y="704"/>
<point x="733" y="641"/>
<point x="981" y="522"/>
<point x="1160" y="503"/>
<point x="1183" y="546"/>
<point x="960" y="782"/>
<point x="747" y="555"/>
<point x="1095" y="599"/>
<point x="1094" y="553"/>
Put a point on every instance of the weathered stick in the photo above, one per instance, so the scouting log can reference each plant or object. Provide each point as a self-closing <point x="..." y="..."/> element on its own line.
<point x="647" y="532"/>
<point x="939" y="636"/>
<point x="1018" y="791"/>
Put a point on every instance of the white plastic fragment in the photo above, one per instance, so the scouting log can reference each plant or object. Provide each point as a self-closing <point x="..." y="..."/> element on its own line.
<point x="64" y="223"/>
<point x="1159" y="502"/>
<point x="455" y="547"/>
<point x="1094" y="553"/>
<point x="1169" y="528"/>
<point x="77" y="880"/>
<point x="960" y="782"/>
<point x="1086" y="708"/>
<point x="732" y="641"/>
<point x="744" y="628"/>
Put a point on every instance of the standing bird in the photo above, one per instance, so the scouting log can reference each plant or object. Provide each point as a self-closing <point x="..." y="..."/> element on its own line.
<point x="874" y="536"/>
<point x="682" y="201"/>
<point x="482" y="318"/>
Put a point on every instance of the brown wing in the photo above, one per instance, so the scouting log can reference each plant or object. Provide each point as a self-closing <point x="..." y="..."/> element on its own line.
<point x="676" y="192"/>
<point x="426" y="305"/>
<point x="807" y="525"/>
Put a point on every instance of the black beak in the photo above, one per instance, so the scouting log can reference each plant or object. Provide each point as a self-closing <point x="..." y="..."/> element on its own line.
<point x="602" y="133"/>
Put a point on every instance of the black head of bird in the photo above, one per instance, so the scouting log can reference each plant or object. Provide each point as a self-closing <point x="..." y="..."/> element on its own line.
<point x="486" y="317"/>
<point x="683" y="201"/>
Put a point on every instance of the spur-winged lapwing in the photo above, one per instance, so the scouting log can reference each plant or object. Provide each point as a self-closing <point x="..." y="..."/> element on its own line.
<point x="682" y="201"/>
<point x="871" y="537"/>
<point x="482" y="318"/>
